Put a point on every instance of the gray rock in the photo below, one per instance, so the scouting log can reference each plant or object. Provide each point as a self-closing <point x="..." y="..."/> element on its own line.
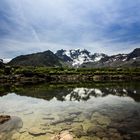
<point x="92" y="130"/>
<point x="15" y="123"/>
<point x="78" y="131"/>
<point x="100" y="119"/>
<point x="36" y="131"/>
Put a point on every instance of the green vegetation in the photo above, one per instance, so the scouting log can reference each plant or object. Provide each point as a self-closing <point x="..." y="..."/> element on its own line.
<point x="60" y="70"/>
<point x="97" y="71"/>
<point x="34" y="75"/>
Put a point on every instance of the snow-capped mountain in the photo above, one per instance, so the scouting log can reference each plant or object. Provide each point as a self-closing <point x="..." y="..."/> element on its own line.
<point x="83" y="58"/>
<point x="78" y="57"/>
<point x="119" y="60"/>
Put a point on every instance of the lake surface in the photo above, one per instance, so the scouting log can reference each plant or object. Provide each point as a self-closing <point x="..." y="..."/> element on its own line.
<point x="89" y="112"/>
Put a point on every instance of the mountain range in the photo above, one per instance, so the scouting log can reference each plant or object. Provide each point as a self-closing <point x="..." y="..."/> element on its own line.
<point x="78" y="58"/>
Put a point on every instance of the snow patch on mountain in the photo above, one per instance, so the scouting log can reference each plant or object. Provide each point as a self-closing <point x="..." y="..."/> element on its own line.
<point x="79" y="56"/>
<point x="98" y="57"/>
<point x="83" y="58"/>
<point x="6" y="60"/>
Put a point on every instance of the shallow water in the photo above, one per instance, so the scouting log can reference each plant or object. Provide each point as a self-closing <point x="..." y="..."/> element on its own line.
<point x="88" y="112"/>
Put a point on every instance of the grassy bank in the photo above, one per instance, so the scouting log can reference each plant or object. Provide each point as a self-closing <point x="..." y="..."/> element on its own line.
<point x="66" y="75"/>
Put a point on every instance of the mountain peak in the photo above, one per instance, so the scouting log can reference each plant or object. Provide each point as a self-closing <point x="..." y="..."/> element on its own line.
<point x="134" y="54"/>
<point x="78" y="57"/>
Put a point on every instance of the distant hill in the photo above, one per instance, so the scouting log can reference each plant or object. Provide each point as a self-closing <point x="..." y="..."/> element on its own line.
<point x="78" y="58"/>
<point x="46" y="58"/>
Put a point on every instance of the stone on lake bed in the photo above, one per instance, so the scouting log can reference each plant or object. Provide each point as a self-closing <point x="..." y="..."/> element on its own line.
<point x="14" y="123"/>
<point x="64" y="135"/>
<point x="78" y="130"/>
<point x="100" y="119"/>
<point x="93" y="129"/>
<point x="36" y="131"/>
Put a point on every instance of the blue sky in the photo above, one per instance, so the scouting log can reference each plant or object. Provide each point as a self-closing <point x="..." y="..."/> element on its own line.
<point x="107" y="26"/>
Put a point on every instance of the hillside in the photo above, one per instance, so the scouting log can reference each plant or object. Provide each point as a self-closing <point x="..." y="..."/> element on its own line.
<point x="46" y="58"/>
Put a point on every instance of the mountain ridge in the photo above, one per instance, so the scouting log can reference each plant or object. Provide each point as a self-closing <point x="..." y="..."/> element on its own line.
<point x="78" y="58"/>
<point x="46" y="58"/>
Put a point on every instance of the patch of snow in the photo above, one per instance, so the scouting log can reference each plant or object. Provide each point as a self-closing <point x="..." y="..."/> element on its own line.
<point x="124" y="59"/>
<point x="6" y="60"/>
<point x="98" y="58"/>
<point x="134" y="58"/>
<point x="124" y="55"/>
<point x="67" y="53"/>
<point x="83" y="58"/>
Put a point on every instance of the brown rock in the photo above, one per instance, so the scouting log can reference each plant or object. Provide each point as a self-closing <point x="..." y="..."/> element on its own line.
<point x="4" y="118"/>
<point x="65" y="135"/>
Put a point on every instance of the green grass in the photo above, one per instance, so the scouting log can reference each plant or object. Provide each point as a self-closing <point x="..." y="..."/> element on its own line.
<point x="71" y="71"/>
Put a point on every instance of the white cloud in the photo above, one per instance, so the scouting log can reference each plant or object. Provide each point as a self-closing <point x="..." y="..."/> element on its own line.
<point x="97" y="25"/>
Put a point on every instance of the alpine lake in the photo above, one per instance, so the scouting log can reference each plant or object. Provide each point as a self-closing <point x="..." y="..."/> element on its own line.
<point x="92" y="111"/>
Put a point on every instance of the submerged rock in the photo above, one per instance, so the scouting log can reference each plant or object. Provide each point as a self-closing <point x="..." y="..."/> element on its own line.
<point x="64" y="135"/>
<point x="4" y="118"/>
<point x="78" y="130"/>
<point x="8" y="128"/>
<point x="92" y="130"/>
<point x="14" y="123"/>
<point x="100" y="119"/>
<point x="36" y="131"/>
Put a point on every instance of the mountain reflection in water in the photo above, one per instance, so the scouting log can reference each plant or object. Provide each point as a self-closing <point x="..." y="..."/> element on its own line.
<point x="73" y="93"/>
<point x="90" y="111"/>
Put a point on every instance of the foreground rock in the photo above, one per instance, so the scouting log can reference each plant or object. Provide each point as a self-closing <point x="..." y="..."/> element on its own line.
<point x="4" y="118"/>
<point x="8" y="128"/>
<point x="14" y="123"/>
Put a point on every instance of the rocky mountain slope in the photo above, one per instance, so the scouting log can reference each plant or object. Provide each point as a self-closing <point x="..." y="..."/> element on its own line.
<point x="83" y="58"/>
<point x="46" y="58"/>
<point x="120" y="60"/>
<point x="1" y="63"/>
